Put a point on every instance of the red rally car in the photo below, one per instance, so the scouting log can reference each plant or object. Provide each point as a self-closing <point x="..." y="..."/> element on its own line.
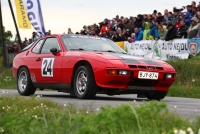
<point x="85" y="65"/>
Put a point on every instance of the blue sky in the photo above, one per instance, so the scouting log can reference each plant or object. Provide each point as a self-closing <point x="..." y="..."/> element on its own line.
<point x="59" y="15"/>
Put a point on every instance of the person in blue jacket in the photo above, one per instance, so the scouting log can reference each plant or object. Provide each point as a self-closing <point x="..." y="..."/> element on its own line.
<point x="153" y="30"/>
<point x="138" y="34"/>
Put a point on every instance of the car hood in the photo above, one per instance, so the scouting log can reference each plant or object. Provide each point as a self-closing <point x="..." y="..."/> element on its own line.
<point x="129" y="59"/>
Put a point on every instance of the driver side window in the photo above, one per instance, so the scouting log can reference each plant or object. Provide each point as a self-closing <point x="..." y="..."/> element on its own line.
<point x="50" y="43"/>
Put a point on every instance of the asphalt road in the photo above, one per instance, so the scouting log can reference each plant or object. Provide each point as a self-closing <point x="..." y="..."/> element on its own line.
<point x="186" y="107"/>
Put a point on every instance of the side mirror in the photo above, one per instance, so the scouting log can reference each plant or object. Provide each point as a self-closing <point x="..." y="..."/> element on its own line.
<point x="54" y="51"/>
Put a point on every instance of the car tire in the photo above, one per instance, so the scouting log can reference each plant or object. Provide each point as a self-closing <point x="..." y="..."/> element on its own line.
<point x="156" y="95"/>
<point x="24" y="84"/>
<point x="84" y="83"/>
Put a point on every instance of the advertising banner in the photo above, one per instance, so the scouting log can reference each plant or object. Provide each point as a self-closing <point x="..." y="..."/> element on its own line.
<point x="22" y="18"/>
<point x="194" y="47"/>
<point x="161" y="50"/>
<point x="121" y="44"/>
<point x="34" y="12"/>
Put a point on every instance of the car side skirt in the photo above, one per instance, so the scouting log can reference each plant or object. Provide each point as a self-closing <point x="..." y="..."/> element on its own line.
<point x="53" y="86"/>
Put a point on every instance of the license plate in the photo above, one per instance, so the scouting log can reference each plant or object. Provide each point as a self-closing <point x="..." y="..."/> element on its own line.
<point x="148" y="75"/>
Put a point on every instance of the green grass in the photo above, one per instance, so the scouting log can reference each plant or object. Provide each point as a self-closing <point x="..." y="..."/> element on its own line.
<point x="188" y="78"/>
<point x="38" y="116"/>
<point x="7" y="81"/>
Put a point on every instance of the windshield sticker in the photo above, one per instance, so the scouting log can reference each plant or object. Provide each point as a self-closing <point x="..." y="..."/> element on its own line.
<point x="85" y="37"/>
<point x="73" y="54"/>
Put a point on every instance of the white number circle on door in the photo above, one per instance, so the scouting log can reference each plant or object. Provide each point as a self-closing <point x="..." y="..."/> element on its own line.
<point x="47" y="67"/>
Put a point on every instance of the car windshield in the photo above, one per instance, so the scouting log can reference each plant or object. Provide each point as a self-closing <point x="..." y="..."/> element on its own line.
<point x="29" y="46"/>
<point x="90" y="43"/>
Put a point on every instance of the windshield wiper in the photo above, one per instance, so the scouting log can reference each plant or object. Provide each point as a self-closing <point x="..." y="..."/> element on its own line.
<point x="77" y="49"/>
<point x="115" y="52"/>
<point x="123" y="53"/>
<point x="110" y="51"/>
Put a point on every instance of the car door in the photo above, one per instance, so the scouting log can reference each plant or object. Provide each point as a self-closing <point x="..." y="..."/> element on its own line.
<point x="47" y="65"/>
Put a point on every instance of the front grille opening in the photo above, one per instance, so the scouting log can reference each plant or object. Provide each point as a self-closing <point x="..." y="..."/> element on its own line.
<point x="132" y="66"/>
<point x="142" y="67"/>
<point x="159" y="68"/>
<point x="151" y="68"/>
<point x="143" y="83"/>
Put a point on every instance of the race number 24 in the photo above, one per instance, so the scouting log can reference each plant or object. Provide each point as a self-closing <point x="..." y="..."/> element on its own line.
<point x="47" y="67"/>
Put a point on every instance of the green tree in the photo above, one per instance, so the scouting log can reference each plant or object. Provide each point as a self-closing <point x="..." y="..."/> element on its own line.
<point x="7" y="36"/>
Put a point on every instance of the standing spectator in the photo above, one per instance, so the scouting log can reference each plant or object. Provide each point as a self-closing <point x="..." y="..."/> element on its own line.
<point x="138" y="34"/>
<point x="153" y="30"/>
<point x="193" y="4"/>
<point x="171" y="34"/>
<point x="175" y="17"/>
<point x="194" y="11"/>
<point x="24" y="42"/>
<point x="166" y="13"/>
<point x="154" y="17"/>
<point x="33" y="36"/>
<point x="159" y="18"/>
<point x="125" y="34"/>
<point x="189" y="9"/>
<point x="93" y="33"/>
<point x="115" y="37"/>
<point x="185" y="18"/>
<point x="70" y="31"/>
<point x="132" y="38"/>
<point x="146" y="31"/>
<point x="163" y="23"/>
<point x="162" y="32"/>
<point x="182" y="31"/>
<point x="113" y="24"/>
<point x="49" y="32"/>
<point x="30" y="41"/>
<point x="119" y="33"/>
<point x="10" y="52"/>
<point x="104" y="29"/>
<point x="198" y="15"/>
<point x="85" y="30"/>
<point x="155" y="12"/>
<point x="194" y="28"/>
<point x="117" y="17"/>
<point x="145" y="16"/>
<point x="126" y="24"/>
<point x="140" y="21"/>
<point x="110" y="34"/>
<point x="36" y="37"/>
<point x="16" y="49"/>
<point x="150" y="17"/>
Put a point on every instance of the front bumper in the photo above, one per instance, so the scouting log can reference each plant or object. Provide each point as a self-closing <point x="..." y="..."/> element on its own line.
<point x="132" y="82"/>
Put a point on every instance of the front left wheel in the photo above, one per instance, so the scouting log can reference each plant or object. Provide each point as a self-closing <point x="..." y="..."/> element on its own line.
<point x="24" y="84"/>
<point x="156" y="95"/>
<point x="84" y="83"/>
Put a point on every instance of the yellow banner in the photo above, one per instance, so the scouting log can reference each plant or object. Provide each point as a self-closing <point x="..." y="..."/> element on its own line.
<point x="121" y="44"/>
<point x="22" y="16"/>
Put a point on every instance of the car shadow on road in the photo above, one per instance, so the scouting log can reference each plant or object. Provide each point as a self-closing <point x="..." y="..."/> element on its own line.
<point x="97" y="98"/>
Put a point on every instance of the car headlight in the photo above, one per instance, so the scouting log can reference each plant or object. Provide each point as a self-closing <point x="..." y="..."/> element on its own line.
<point x="169" y="76"/>
<point x="123" y="72"/>
<point x="117" y="72"/>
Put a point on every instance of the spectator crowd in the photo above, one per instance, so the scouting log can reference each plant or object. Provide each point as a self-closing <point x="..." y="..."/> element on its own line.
<point x="180" y="23"/>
